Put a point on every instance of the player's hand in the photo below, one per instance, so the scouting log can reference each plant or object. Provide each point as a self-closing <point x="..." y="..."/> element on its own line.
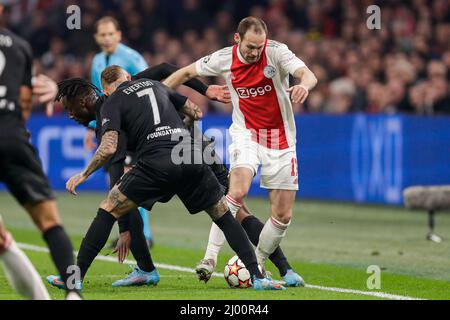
<point x="46" y="90"/>
<point x="298" y="93"/>
<point x="88" y="141"/>
<point x="74" y="182"/>
<point x="219" y="93"/>
<point x="123" y="246"/>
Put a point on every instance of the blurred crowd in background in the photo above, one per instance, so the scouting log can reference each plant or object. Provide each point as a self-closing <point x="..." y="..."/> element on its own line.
<point x="403" y="67"/>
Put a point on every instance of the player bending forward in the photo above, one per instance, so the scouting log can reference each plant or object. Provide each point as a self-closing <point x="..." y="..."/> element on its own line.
<point x="144" y="110"/>
<point x="263" y="130"/>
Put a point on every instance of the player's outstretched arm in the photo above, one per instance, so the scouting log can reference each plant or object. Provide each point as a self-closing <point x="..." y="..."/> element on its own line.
<point x="165" y="70"/>
<point x="308" y="80"/>
<point x="181" y="76"/>
<point x="105" y="151"/>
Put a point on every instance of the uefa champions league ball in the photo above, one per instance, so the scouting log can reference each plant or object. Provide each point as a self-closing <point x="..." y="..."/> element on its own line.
<point x="236" y="274"/>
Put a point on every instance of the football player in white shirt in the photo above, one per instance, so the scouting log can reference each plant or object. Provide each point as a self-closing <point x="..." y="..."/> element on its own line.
<point x="263" y="130"/>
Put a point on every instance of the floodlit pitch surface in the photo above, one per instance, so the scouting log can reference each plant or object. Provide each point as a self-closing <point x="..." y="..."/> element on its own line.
<point x="330" y="244"/>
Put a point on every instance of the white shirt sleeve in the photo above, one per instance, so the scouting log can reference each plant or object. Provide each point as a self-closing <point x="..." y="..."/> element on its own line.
<point x="213" y="64"/>
<point x="287" y="60"/>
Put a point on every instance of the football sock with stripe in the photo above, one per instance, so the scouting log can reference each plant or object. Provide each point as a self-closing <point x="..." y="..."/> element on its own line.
<point x="253" y="226"/>
<point x="95" y="239"/>
<point x="239" y="242"/>
<point x="269" y="239"/>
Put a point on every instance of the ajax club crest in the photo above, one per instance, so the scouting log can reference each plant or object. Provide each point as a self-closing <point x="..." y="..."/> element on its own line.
<point x="270" y="71"/>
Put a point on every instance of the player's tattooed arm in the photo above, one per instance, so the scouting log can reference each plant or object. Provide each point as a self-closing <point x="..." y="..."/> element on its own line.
<point x="104" y="152"/>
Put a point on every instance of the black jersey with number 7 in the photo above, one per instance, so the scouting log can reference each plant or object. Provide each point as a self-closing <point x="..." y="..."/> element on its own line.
<point x="146" y="111"/>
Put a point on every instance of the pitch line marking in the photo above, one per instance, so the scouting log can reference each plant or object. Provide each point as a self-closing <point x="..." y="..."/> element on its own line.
<point x="383" y="295"/>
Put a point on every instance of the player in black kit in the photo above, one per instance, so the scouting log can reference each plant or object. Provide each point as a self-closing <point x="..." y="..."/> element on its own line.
<point x="130" y="223"/>
<point x="145" y="111"/>
<point x="20" y="168"/>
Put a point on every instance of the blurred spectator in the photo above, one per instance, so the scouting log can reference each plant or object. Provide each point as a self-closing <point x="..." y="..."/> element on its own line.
<point x="340" y="100"/>
<point x="403" y="67"/>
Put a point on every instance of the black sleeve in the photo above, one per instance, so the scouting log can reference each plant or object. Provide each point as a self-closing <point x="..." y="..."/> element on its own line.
<point x="164" y="70"/>
<point x="110" y="114"/>
<point x="177" y="99"/>
<point x="26" y="78"/>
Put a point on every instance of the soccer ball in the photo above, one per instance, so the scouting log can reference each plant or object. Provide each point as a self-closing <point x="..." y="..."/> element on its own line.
<point x="236" y="274"/>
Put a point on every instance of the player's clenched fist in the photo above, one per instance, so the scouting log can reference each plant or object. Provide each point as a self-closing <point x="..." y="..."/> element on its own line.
<point x="74" y="182"/>
<point x="298" y="93"/>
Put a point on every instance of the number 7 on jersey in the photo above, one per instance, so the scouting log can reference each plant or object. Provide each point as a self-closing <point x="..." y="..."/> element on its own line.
<point x="153" y="103"/>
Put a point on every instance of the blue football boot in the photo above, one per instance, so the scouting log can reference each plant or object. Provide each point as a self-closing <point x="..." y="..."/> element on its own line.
<point x="266" y="284"/>
<point x="293" y="279"/>
<point x="138" y="278"/>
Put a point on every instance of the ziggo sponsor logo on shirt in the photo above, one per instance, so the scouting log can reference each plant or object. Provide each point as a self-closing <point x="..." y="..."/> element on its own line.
<point x="245" y="93"/>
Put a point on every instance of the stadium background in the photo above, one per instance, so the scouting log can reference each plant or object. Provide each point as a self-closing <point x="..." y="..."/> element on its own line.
<point x="376" y="123"/>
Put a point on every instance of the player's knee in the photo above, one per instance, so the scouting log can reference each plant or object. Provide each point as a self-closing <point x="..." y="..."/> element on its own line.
<point x="46" y="222"/>
<point x="106" y="205"/>
<point x="44" y="214"/>
<point x="238" y="194"/>
<point x="109" y="207"/>
<point x="114" y="209"/>
<point x="218" y="210"/>
<point x="284" y="216"/>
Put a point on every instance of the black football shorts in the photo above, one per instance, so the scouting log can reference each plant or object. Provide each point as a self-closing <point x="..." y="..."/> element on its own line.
<point x="21" y="171"/>
<point x="154" y="180"/>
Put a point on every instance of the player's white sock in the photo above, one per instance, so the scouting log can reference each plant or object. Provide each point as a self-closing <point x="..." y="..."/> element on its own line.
<point x="216" y="236"/>
<point x="22" y="275"/>
<point x="233" y="204"/>
<point x="269" y="239"/>
<point x="215" y="242"/>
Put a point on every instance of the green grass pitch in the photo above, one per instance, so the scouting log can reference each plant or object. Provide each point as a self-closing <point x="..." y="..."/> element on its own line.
<point x="330" y="244"/>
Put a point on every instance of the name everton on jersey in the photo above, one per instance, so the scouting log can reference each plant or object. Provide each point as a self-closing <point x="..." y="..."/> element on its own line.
<point x="135" y="87"/>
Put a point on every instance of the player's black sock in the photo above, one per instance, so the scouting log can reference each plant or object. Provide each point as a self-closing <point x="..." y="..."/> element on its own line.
<point x="95" y="239"/>
<point x="61" y="249"/>
<point x="139" y="247"/>
<point x="253" y="226"/>
<point x="238" y="241"/>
